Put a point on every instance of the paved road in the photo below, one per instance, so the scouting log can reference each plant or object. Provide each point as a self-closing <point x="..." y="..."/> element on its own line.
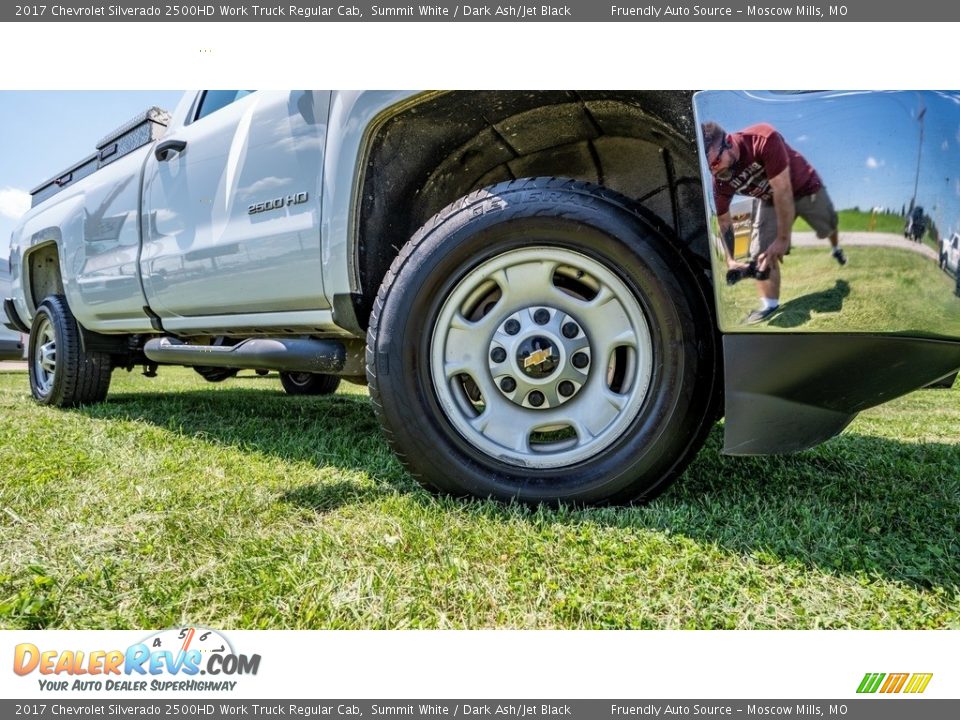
<point x="891" y="240"/>
<point x="13" y="366"/>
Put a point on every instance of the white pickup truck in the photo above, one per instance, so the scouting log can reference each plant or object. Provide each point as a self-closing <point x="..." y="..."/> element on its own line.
<point x="950" y="254"/>
<point x="525" y="280"/>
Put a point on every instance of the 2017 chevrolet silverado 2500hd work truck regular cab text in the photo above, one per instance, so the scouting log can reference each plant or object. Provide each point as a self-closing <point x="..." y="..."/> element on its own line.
<point x="533" y="284"/>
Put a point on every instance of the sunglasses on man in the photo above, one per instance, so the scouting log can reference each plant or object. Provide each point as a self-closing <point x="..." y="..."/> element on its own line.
<point x="715" y="163"/>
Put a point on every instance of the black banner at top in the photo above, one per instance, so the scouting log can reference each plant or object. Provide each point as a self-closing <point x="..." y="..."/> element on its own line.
<point x="510" y="11"/>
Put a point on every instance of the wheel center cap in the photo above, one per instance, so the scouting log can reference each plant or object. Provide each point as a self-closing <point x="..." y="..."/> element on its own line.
<point x="538" y="357"/>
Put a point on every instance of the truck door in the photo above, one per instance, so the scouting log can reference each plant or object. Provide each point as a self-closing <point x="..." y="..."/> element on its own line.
<point x="231" y="208"/>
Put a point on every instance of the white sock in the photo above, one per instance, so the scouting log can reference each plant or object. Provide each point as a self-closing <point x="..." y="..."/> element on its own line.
<point x="770" y="303"/>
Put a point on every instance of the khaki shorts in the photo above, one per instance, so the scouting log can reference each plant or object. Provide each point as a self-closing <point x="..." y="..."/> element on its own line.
<point x="816" y="209"/>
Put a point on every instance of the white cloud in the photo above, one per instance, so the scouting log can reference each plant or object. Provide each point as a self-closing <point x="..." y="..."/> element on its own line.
<point x="265" y="185"/>
<point x="873" y="163"/>
<point x="945" y="145"/>
<point x="14" y="203"/>
<point x="802" y="138"/>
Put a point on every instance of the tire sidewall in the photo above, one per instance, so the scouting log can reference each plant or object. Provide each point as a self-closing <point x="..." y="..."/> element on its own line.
<point x="46" y="311"/>
<point x="613" y="236"/>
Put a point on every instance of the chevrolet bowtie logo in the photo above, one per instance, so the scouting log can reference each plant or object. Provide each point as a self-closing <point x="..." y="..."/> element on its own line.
<point x="537" y="357"/>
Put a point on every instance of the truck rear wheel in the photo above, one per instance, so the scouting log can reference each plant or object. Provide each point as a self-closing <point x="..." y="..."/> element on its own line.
<point x="217" y="374"/>
<point x="541" y="340"/>
<point x="62" y="372"/>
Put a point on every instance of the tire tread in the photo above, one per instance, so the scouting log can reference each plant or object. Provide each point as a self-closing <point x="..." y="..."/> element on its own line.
<point x="84" y="376"/>
<point x="591" y="193"/>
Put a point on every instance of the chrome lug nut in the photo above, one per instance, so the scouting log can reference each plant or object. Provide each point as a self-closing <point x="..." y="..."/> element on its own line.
<point x="512" y="327"/>
<point x="566" y="388"/>
<point x="541" y="317"/>
<point x="508" y="384"/>
<point x="570" y="330"/>
<point x="536" y="398"/>
<point x="498" y="355"/>
<point x="580" y="360"/>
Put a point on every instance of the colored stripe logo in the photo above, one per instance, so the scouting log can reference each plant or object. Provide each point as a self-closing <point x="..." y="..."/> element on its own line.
<point x="894" y="683"/>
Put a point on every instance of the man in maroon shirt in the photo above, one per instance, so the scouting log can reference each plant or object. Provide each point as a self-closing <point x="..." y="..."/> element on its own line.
<point x="758" y="162"/>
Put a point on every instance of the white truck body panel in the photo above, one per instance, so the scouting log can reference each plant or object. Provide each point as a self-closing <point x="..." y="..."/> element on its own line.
<point x="204" y="252"/>
<point x="175" y="239"/>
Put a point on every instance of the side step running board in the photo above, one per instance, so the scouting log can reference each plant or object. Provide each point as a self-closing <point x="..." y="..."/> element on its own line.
<point x="332" y="357"/>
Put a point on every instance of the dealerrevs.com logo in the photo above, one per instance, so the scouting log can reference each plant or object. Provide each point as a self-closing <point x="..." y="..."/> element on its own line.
<point x="169" y="660"/>
<point x="885" y="683"/>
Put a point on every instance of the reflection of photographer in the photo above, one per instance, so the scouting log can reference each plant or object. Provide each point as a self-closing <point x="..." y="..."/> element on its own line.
<point x="758" y="162"/>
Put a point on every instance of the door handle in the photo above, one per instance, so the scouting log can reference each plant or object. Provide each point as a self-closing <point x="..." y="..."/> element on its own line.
<point x="168" y="148"/>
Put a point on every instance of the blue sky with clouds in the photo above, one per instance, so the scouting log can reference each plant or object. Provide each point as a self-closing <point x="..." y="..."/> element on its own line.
<point x="42" y="133"/>
<point x="864" y="145"/>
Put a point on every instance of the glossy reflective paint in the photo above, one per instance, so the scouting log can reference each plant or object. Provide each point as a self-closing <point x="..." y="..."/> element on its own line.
<point x="104" y="262"/>
<point x="204" y="252"/>
<point x="879" y="155"/>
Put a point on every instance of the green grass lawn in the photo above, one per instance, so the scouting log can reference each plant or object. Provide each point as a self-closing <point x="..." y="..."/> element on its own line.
<point x="880" y="288"/>
<point x="235" y="506"/>
<point x="851" y="220"/>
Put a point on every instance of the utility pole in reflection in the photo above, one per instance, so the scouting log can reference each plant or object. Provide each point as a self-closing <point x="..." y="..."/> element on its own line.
<point x="916" y="180"/>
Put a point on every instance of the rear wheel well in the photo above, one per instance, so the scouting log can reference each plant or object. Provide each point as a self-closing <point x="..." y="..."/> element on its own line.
<point x="45" y="279"/>
<point x="641" y="144"/>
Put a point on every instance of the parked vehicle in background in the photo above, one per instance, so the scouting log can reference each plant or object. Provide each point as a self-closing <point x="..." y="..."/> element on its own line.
<point x="12" y="345"/>
<point x="525" y="280"/>
<point x="950" y="253"/>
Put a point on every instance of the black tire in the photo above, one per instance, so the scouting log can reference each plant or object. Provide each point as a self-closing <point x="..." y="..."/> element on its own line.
<point x="215" y="374"/>
<point x="682" y="397"/>
<point x="304" y="383"/>
<point x="62" y="373"/>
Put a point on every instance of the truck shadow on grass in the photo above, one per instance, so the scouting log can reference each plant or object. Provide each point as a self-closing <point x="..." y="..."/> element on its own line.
<point x="855" y="505"/>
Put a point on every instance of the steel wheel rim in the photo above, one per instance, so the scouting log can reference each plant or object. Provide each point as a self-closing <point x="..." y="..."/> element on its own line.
<point x="543" y="290"/>
<point x="45" y="356"/>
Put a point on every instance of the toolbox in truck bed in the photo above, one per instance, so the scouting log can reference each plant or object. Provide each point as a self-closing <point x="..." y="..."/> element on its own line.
<point x="146" y="127"/>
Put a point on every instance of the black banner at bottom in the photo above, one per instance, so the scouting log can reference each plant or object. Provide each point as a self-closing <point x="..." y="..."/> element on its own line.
<point x="874" y="708"/>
